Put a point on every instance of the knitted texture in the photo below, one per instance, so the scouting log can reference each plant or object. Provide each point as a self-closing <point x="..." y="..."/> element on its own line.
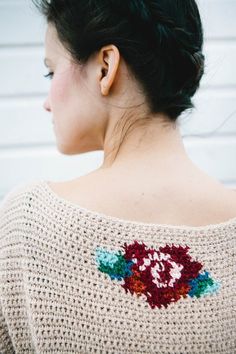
<point x="73" y="280"/>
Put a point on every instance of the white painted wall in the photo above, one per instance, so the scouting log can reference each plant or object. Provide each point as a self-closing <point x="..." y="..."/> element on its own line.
<point x="27" y="142"/>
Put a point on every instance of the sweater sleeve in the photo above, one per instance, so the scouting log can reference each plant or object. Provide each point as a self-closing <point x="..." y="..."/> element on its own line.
<point x="11" y="231"/>
<point x="6" y="346"/>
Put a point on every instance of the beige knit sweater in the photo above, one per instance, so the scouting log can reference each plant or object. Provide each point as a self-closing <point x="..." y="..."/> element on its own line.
<point x="73" y="280"/>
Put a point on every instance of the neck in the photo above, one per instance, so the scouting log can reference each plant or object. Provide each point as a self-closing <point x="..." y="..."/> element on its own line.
<point x="157" y="146"/>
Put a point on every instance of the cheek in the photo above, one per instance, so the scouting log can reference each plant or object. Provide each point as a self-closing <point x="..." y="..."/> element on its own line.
<point x="73" y="109"/>
<point x="65" y="103"/>
<point x="59" y="90"/>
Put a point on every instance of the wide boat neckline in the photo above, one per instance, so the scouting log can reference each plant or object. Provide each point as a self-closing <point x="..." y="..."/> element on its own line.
<point x="127" y="222"/>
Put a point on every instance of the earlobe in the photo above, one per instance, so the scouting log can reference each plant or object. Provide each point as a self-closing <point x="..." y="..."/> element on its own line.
<point x="111" y="59"/>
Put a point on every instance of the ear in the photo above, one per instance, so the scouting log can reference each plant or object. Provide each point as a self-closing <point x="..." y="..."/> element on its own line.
<point x="109" y="58"/>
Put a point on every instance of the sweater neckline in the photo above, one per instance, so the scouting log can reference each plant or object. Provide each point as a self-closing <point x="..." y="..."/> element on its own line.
<point x="132" y="223"/>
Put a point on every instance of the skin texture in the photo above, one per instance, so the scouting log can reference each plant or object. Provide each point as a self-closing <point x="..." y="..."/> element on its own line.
<point x="150" y="178"/>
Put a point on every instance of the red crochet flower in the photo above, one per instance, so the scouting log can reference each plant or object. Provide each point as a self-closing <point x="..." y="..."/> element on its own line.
<point x="162" y="275"/>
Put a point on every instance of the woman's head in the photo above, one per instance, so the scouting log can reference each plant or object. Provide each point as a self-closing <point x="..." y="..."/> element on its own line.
<point x="146" y="53"/>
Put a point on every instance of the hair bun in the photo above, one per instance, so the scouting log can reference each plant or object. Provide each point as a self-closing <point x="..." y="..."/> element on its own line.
<point x="140" y="9"/>
<point x="151" y="15"/>
<point x="137" y="9"/>
<point x="199" y="59"/>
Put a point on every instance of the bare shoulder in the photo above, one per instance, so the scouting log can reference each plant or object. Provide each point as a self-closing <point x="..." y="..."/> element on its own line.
<point x="196" y="203"/>
<point x="233" y="196"/>
<point x="230" y="193"/>
<point x="227" y="197"/>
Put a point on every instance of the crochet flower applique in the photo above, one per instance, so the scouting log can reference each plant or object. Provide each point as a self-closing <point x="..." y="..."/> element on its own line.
<point x="161" y="276"/>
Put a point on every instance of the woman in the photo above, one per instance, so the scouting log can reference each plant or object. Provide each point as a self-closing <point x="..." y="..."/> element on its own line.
<point x="137" y="256"/>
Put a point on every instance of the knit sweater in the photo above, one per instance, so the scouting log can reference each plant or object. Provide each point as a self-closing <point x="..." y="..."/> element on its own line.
<point x="73" y="280"/>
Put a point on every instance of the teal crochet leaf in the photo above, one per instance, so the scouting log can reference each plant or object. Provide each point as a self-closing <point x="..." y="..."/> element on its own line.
<point x="113" y="263"/>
